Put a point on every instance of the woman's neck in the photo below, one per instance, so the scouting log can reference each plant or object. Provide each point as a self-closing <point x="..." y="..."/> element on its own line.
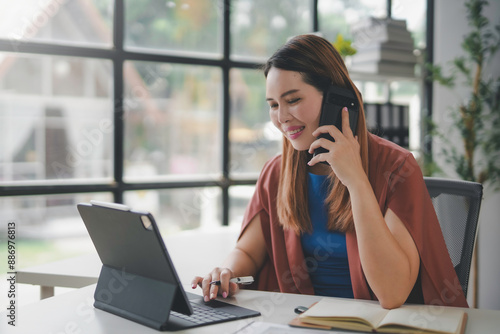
<point x="319" y="169"/>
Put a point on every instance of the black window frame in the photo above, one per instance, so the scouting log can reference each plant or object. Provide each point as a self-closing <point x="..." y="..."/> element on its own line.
<point x="117" y="55"/>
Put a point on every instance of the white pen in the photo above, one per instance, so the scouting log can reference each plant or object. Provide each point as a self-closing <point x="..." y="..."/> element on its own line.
<point x="239" y="280"/>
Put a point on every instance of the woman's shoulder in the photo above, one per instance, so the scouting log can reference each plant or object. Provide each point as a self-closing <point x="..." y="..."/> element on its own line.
<point x="272" y="166"/>
<point x="381" y="144"/>
<point x="267" y="183"/>
<point x="383" y="151"/>
<point x="387" y="160"/>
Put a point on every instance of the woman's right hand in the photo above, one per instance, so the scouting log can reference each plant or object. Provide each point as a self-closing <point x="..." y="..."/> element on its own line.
<point x="245" y="259"/>
<point x="210" y="291"/>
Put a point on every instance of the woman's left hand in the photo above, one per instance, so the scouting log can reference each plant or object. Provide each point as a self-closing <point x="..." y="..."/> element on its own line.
<point x="343" y="155"/>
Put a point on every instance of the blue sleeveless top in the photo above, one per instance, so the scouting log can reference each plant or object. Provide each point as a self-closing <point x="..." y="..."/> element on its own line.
<point x="325" y="252"/>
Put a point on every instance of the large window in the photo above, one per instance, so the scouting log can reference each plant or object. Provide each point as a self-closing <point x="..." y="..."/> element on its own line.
<point x="158" y="104"/>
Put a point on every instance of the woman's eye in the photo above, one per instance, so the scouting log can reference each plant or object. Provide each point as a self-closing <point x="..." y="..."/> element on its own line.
<point x="294" y="101"/>
<point x="273" y="105"/>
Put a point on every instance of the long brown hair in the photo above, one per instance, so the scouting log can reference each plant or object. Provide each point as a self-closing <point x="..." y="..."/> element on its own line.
<point x="320" y="65"/>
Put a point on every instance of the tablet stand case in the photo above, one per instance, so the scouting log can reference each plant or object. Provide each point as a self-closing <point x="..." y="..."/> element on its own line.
<point x="120" y="290"/>
<point x="138" y="298"/>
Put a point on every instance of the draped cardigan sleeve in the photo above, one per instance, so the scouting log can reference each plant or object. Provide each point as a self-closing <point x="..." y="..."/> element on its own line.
<point x="398" y="185"/>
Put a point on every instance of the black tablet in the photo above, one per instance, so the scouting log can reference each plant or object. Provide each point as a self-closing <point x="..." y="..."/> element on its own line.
<point x="138" y="280"/>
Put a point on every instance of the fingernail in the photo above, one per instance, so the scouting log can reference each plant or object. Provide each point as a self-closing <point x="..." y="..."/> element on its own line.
<point x="224" y="294"/>
<point x="345" y="109"/>
<point x="309" y="163"/>
<point x="212" y="296"/>
<point x="206" y="298"/>
<point x="193" y="286"/>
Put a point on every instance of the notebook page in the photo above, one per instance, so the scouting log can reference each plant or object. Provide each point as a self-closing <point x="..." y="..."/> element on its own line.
<point x="346" y="308"/>
<point x="428" y="317"/>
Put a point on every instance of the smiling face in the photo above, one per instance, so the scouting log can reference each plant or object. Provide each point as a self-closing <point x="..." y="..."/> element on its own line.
<point x="295" y="106"/>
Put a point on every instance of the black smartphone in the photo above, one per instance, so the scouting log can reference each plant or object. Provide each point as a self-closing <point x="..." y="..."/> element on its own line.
<point x="334" y="100"/>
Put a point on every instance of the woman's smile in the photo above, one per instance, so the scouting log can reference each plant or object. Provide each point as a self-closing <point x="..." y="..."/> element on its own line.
<point x="293" y="132"/>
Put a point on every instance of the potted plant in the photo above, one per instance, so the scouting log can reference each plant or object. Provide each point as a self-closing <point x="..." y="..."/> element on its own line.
<point x="344" y="46"/>
<point x="475" y="115"/>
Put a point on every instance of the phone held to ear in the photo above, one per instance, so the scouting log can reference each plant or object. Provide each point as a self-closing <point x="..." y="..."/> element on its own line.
<point x="334" y="100"/>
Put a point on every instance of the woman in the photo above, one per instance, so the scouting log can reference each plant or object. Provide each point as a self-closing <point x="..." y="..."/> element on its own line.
<point x="359" y="225"/>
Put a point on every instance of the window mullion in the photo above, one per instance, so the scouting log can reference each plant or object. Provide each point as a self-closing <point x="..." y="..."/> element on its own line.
<point x="118" y="152"/>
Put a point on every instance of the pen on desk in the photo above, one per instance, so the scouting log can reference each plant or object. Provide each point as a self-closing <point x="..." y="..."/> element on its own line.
<point x="239" y="280"/>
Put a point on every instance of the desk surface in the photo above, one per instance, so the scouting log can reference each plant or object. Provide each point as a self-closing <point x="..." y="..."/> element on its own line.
<point x="73" y="312"/>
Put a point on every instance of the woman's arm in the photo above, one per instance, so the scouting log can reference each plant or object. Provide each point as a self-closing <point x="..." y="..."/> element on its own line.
<point x="245" y="259"/>
<point x="388" y="254"/>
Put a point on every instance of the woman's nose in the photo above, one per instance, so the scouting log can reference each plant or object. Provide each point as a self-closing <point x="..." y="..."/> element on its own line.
<point x="283" y="115"/>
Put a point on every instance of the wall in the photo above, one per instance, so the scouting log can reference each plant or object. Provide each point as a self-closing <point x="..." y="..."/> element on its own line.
<point x="449" y="29"/>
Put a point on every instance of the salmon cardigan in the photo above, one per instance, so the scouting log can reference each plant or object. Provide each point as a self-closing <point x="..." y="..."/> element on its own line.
<point x="398" y="184"/>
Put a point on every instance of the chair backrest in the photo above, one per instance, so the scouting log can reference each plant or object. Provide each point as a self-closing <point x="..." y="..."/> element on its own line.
<point x="457" y="205"/>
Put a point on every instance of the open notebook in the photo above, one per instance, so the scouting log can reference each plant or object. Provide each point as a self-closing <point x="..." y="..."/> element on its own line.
<point x="138" y="280"/>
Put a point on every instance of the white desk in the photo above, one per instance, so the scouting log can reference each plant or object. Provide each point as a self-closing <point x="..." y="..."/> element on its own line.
<point x="73" y="312"/>
<point x="192" y="252"/>
<point x="69" y="273"/>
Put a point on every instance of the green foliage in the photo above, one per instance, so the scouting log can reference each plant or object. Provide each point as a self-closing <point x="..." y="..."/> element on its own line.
<point x="343" y="46"/>
<point x="436" y="74"/>
<point x="477" y="116"/>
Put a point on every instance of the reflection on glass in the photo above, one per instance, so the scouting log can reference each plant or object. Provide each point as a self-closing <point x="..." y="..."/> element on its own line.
<point x="55" y="118"/>
<point x="75" y="22"/>
<point x="48" y="227"/>
<point x="259" y="27"/>
<point x="175" y="25"/>
<point x="337" y="17"/>
<point x="175" y="210"/>
<point x="253" y="138"/>
<point x="239" y="197"/>
<point x="172" y="120"/>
